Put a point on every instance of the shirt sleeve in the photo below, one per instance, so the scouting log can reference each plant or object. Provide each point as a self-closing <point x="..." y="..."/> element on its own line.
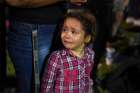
<point x="49" y="75"/>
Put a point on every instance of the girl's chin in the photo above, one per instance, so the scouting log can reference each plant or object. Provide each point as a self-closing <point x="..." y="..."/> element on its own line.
<point x="68" y="47"/>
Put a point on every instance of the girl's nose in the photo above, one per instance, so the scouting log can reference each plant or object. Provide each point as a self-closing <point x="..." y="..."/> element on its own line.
<point x="68" y="33"/>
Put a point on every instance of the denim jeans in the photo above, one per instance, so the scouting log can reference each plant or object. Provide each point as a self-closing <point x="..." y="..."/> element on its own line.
<point x="19" y="43"/>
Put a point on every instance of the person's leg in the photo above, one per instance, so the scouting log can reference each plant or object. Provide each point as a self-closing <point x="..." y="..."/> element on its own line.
<point x="20" y="50"/>
<point x="104" y="27"/>
<point x="45" y="35"/>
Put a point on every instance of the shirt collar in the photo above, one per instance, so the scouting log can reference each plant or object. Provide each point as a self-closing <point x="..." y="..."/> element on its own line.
<point x="68" y="52"/>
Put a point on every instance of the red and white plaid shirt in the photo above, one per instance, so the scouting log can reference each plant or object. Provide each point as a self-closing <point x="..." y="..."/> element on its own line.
<point x="66" y="73"/>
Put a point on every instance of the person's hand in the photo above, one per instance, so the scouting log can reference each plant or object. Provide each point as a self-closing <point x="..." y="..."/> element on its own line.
<point x="135" y="22"/>
<point x="130" y="20"/>
<point x="78" y="2"/>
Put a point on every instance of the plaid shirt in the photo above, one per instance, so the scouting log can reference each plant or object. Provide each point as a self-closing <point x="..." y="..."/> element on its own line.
<point x="66" y="73"/>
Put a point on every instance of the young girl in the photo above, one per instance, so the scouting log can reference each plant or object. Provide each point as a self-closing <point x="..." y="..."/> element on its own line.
<point x="68" y="69"/>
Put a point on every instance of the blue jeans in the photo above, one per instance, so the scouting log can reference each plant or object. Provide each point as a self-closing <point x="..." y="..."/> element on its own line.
<point x="19" y="45"/>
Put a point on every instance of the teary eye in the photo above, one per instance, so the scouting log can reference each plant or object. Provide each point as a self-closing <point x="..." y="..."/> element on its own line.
<point x="64" y="29"/>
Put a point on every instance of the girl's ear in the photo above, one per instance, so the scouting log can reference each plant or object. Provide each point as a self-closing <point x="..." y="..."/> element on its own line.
<point x="87" y="38"/>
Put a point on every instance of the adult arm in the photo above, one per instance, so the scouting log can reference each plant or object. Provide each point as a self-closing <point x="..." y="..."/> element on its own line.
<point x="31" y="3"/>
<point x="39" y="3"/>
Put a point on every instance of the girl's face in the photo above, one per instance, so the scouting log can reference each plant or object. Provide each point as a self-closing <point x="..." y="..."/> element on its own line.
<point x="72" y="34"/>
